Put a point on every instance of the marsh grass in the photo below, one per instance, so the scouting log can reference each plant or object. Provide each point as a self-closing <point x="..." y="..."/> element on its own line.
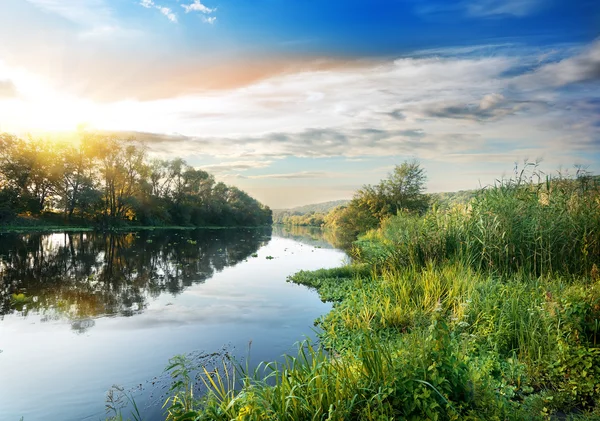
<point x="519" y="224"/>
<point x="489" y="311"/>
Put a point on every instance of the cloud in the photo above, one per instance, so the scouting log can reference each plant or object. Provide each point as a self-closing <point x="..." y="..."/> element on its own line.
<point x="488" y="8"/>
<point x="235" y="166"/>
<point x="149" y="4"/>
<point x="480" y="8"/>
<point x="310" y="143"/>
<point x="168" y="13"/>
<point x="583" y="67"/>
<point x="197" y="6"/>
<point x="396" y="114"/>
<point x="294" y="175"/>
<point x="85" y="13"/>
<point x="437" y="108"/>
<point x="95" y="17"/>
<point x="8" y="89"/>
<point x="491" y="107"/>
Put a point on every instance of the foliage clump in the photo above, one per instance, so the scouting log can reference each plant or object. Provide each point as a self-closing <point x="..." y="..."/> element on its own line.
<point x="106" y="181"/>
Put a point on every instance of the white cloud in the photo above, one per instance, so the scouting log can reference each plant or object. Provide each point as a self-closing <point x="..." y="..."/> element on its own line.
<point x="582" y="67"/>
<point x="294" y="175"/>
<point x="235" y="166"/>
<point x="443" y="109"/>
<point x="517" y="8"/>
<point x="85" y="13"/>
<point x="168" y="13"/>
<point x="482" y="8"/>
<point x="95" y="17"/>
<point x="197" y="6"/>
<point x="149" y="4"/>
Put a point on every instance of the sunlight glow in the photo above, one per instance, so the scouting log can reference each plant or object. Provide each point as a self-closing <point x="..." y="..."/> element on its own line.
<point x="38" y="107"/>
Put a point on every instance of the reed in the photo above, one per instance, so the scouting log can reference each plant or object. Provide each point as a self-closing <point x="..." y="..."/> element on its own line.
<point x="486" y="311"/>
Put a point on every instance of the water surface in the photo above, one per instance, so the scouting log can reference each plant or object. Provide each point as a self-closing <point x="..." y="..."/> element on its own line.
<point x="80" y="312"/>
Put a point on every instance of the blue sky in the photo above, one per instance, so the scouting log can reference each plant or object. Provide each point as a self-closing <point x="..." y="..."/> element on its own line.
<point x="305" y="101"/>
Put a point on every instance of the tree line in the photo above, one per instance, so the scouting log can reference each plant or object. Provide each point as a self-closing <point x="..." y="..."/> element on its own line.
<point x="107" y="181"/>
<point x="403" y="190"/>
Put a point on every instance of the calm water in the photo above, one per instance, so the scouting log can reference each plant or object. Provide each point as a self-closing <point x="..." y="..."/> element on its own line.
<point x="80" y="312"/>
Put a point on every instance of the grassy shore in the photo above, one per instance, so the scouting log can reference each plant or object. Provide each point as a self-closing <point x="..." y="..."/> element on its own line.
<point x="489" y="311"/>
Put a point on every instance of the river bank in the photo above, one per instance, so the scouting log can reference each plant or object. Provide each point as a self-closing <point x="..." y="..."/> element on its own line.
<point x="479" y="312"/>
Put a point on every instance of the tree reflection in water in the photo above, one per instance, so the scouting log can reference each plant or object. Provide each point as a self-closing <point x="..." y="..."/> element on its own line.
<point x="81" y="276"/>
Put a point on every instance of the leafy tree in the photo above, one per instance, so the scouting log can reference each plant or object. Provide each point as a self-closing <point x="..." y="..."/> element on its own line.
<point x="403" y="190"/>
<point x="107" y="179"/>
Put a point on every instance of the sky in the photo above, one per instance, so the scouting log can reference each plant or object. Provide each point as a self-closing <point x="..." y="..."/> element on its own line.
<point x="305" y="101"/>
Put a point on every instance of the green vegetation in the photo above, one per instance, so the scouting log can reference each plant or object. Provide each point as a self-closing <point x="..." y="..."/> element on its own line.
<point x="105" y="182"/>
<point x="448" y="200"/>
<point x="316" y="208"/>
<point x="309" y="215"/>
<point x="402" y="190"/>
<point x="489" y="311"/>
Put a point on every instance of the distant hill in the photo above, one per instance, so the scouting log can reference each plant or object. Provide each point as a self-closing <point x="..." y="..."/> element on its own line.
<point x="317" y="208"/>
<point x="443" y="200"/>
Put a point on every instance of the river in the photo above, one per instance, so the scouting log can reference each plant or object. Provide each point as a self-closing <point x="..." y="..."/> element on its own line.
<point x="83" y="311"/>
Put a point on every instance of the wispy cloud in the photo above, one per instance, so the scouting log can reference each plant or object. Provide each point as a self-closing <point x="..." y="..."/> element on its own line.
<point x="198" y="6"/>
<point x="314" y="143"/>
<point x="491" y="107"/>
<point x="488" y="8"/>
<point x="583" y="67"/>
<point x="294" y="175"/>
<point x="168" y="13"/>
<point x="236" y="166"/>
<point x="84" y="13"/>
<point x="481" y="8"/>
<point x="443" y="109"/>
<point x="149" y="4"/>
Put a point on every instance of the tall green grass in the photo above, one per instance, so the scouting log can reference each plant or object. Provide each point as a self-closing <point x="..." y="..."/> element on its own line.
<point x="425" y="376"/>
<point x="489" y="311"/>
<point x="517" y="225"/>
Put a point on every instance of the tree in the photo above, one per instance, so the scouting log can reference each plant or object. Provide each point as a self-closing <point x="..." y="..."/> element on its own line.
<point x="75" y="169"/>
<point x="109" y="180"/>
<point x="403" y="190"/>
<point x="122" y="168"/>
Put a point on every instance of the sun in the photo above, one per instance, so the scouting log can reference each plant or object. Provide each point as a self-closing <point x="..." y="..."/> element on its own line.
<point x="54" y="113"/>
<point x="40" y="107"/>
